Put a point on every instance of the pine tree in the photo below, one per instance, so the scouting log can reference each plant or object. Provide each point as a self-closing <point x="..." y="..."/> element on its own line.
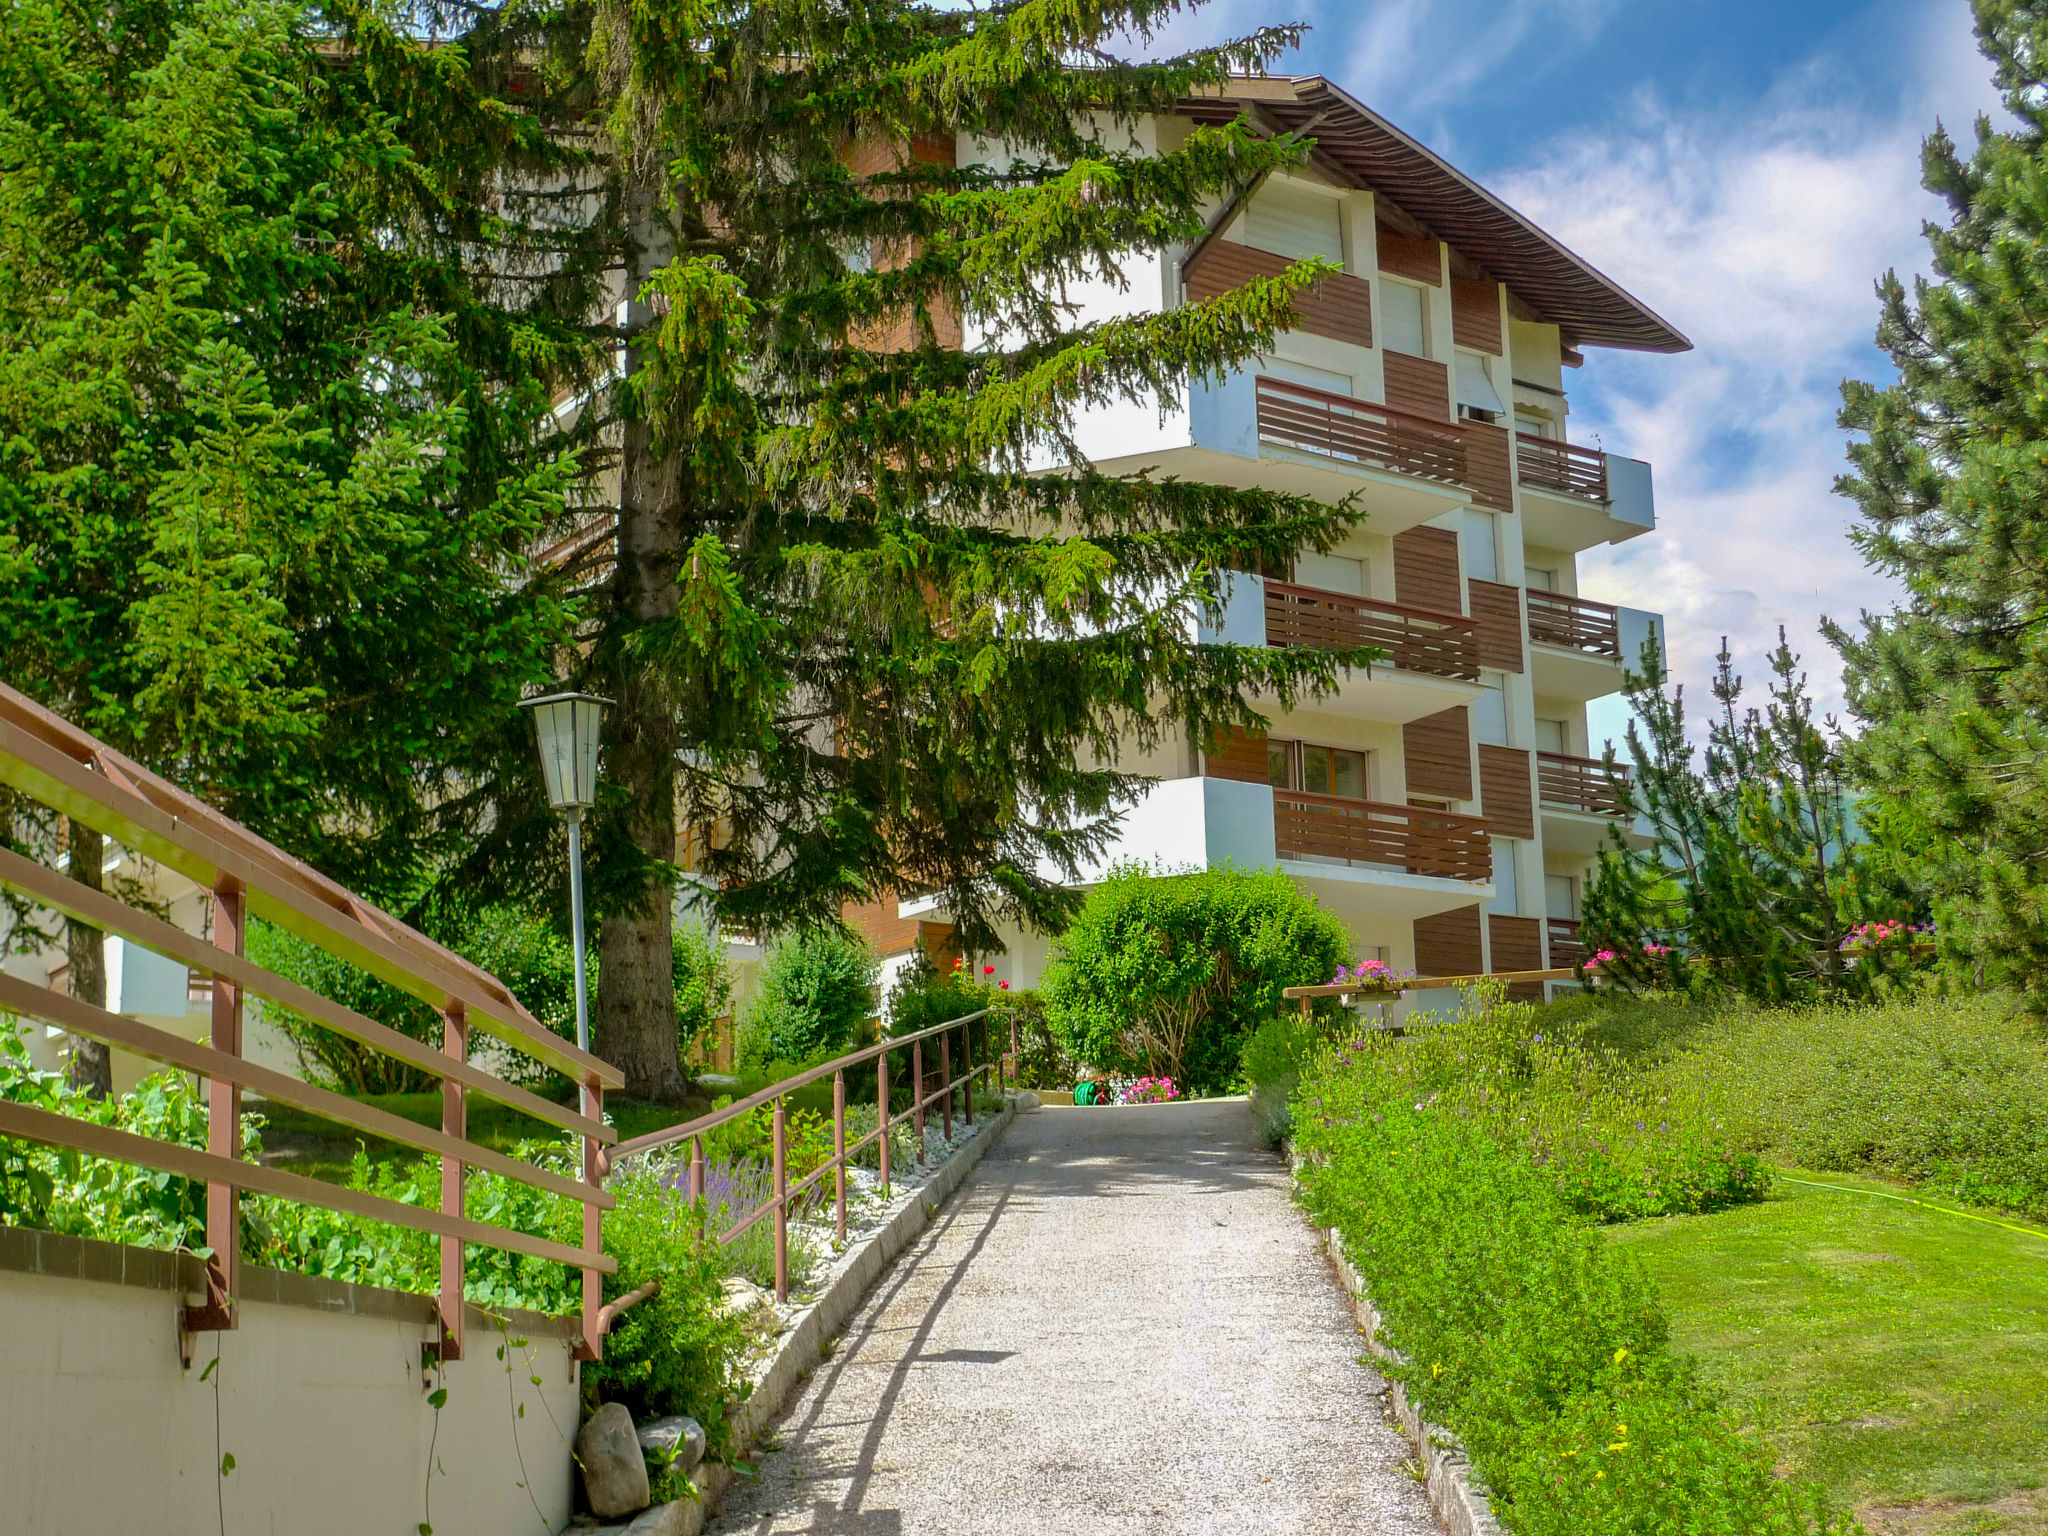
<point x="1950" y="477"/>
<point x="859" y="642"/>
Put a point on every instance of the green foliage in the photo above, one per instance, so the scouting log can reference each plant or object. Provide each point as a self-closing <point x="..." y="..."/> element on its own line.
<point x="264" y="504"/>
<point x="1949" y="478"/>
<point x="1947" y="1093"/>
<point x="521" y="949"/>
<point x="1759" y="870"/>
<point x="924" y="994"/>
<point x="817" y="990"/>
<point x="1274" y="1059"/>
<point x="1042" y="1062"/>
<point x="1167" y="974"/>
<point x="1523" y="1332"/>
<point x="703" y="981"/>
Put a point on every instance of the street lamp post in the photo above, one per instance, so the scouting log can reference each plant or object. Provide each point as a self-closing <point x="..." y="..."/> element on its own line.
<point x="566" y="726"/>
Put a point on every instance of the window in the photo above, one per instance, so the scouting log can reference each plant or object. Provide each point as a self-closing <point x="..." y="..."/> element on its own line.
<point x="1532" y="423"/>
<point x="1506" y="898"/>
<point x="1539" y="578"/>
<point x="1314" y="378"/>
<point x="1476" y="394"/>
<point x="1475" y="540"/>
<point x="1490" y="711"/>
<point x="1552" y="736"/>
<point x="1293" y="221"/>
<point x="1402" y="324"/>
<point x="1332" y="573"/>
<point x="1333" y="771"/>
<point x="1561" y="898"/>
<point x="1280" y="764"/>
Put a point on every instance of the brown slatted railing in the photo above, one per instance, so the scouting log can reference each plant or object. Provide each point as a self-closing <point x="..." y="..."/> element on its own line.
<point x="1343" y="427"/>
<point x="1565" y="947"/>
<point x="1566" y="468"/>
<point x="1575" y="623"/>
<point x="1582" y="784"/>
<point x="1415" y="841"/>
<point x="1415" y="639"/>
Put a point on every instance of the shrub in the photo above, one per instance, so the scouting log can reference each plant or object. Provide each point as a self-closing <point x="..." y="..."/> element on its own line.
<point x="1041" y="1060"/>
<point x="817" y="989"/>
<point x="703" y="981"/>
<point x="1273" y="1061"/>
<point x="1168" y="974"/>
<point x="1523" y="1333"/>
<point x="925" y="994"/>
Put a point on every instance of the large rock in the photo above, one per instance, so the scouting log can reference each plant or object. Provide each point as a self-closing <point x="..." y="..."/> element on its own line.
<point x="614" y="1472"/>
<point x="749" y="1303"/>
<point x="680" y="1437"/>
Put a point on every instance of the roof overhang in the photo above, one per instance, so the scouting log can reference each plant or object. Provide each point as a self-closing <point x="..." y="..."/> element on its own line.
<point x="1354" y="142"/>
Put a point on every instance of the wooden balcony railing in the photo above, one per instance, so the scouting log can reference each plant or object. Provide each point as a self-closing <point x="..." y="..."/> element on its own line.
<point x="1566" y="468"/>
<point x="1343" y="427"/>
<point x="1575" y="623"/>
<point x="1565" y="947"/>
<point x="1415" y="639"/>
<point x="1581" y="784"/>
<point x="1416" y="842"/>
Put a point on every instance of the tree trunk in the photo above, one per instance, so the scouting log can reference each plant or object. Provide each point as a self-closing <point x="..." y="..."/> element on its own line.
<point x="86" y="950"/>
<point x="635" y="1026"/>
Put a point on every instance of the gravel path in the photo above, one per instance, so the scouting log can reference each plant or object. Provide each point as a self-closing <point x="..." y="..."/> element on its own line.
<point x="1119" y="1324"/>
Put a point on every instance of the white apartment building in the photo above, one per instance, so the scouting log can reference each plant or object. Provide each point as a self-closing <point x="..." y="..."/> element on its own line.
<point x="1447" y="806"/>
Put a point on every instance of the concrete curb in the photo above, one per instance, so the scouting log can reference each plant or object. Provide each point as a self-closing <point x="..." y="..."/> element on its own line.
<point x="802" y="1347"/>
<point x="1447" y="1471"/>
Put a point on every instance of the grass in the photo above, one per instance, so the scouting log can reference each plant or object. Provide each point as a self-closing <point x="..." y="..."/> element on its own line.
<point x="1894" y="1353"/>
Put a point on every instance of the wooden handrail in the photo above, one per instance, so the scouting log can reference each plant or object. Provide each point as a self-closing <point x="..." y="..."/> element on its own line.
<point x="1342" y="426"/>
<point x="1583" y="784"/>
<point x="70" y="772"/>
<point x="1551" y="465"/>
<point x="1440" y="844"/>
<point x="1414" y="639"/>
<point x="1574" y="623"/>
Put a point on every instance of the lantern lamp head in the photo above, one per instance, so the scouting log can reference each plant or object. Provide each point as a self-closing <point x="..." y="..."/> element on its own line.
<point x="566" y="727"/>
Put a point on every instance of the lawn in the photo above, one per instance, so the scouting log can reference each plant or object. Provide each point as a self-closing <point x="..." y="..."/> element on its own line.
<point x="1894" y="1353"/>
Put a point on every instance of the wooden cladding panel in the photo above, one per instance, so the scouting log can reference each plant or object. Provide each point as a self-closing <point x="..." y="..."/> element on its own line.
<point x="1489" y="466"/>
<point x="1410" y="256"/>
<point x="1507" y="796"/>
<point x="1426" y="570"/>
<point x="1339" y="307"/>
<point x="1447" y="944"/>
<point x="1438" y="753"/>
<point x="1517" y="944"/>
<point x="1497" y="612"/>
<point x="1475" y="315"/>
<point x="878" y="156"/>
<point x="1418" y="386"/>
<point x="877" y="922"/>
<point x="1239" y="756"/>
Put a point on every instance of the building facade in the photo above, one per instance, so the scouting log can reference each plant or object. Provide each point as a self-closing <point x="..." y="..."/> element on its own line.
<point x="1446" y="805"/>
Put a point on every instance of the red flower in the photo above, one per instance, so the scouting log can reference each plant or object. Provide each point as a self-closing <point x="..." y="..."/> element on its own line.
<point x="1004" y="985"/>
<point x="958" y="962"/>
<point x="988" y="970"/>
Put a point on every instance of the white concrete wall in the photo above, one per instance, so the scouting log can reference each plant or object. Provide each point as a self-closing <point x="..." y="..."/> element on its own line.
<point x="102" y="1431"/>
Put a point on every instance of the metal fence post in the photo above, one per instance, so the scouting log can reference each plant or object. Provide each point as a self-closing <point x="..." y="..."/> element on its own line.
<point x="882" y="1117"/>
<point x="967" y="1067"/>
<point x="696" y="1167"/>
<point x="839" y="1151"/>
<point x="455" y="1122"/>
<point x="781" y="1206"/>
<point x="917" y="1095"/>
<point x="594" y="1166"/>
<point x="946" y="1076"/>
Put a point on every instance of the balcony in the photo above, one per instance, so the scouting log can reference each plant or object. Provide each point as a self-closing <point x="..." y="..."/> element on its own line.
<point x="1579" y="800"/>
<point x="1574" y="497"/>
<point x="1577" y="647"/>
<point x="1344" y="427"/>
<point x="1415" y="639"/>
<point x="1575" y="624"/>
<point x="1439" y="844"/>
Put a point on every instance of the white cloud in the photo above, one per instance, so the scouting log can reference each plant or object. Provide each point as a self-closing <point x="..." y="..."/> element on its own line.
<point x="1409" y="56"/>
<point x="1760" y="237"/>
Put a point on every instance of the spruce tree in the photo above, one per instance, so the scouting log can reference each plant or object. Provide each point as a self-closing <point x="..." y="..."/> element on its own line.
<point x="872" y="623"/>
<point x="1950" y="476"/>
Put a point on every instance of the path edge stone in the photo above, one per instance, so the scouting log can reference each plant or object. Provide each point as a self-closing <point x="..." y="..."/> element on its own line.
<point x="802" y="1348"/>
<point x="1447" y="1471"/>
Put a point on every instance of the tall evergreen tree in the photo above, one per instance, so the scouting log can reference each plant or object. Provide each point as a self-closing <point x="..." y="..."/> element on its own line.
<point x="1950" y="478"/>
<point x="871" y="621"/>
<point x="266" y="482"/>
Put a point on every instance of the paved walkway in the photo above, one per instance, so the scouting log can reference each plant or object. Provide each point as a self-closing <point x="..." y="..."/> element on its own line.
<point x="1119" y="1325"/>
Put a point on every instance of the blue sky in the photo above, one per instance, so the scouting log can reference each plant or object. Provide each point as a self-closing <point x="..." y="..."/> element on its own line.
<point x="1748" y="170"/>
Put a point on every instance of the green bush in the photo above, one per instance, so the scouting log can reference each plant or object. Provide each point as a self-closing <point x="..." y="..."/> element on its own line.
<point x="817" y="990"/>
<point x="925" y="994"/>
<point x="1168" y="974"/>
<point x="1274" y="1059"/>
<point x="1948" y="1093"/>
<point x="1523" y="1333"/>
<point x="1042" y="1062"/>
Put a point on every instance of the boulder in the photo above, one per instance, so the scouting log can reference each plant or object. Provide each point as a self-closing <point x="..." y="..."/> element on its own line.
<point x="614" y="1472"/>
<point x="1027" y="1102"/>
<point x="749" y="1303"/>
<point x="679" y="1437"/>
